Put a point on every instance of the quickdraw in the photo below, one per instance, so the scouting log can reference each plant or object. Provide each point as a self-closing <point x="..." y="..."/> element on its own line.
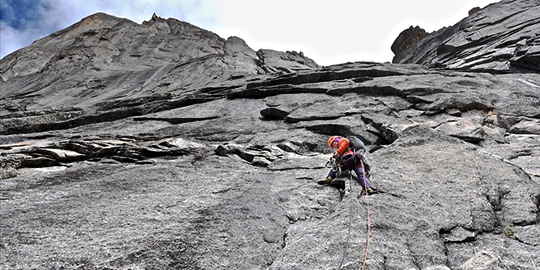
<point x="334" y="163"/>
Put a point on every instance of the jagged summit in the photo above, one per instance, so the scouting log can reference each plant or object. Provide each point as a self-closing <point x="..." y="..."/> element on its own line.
<point x="101" y="51"/>
<point x="106" y="40"/>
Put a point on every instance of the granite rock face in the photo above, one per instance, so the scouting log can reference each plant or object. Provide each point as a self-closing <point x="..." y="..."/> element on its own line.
<point x="500" y="38"/>
<point x="164" y="146"/>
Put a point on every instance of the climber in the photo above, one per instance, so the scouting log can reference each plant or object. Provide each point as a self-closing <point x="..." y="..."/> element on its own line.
<point x="350" y="160"/>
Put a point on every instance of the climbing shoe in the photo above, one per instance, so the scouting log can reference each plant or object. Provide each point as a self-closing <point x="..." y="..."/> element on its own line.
<point x="372" y="190"/>
<point x="326" y="181"/>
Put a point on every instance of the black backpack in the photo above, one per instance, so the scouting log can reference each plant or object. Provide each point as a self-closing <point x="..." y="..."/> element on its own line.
<point x="357" y="144"/>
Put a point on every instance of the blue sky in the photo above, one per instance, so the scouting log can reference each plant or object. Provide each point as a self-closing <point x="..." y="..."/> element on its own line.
<point x="329" y="32"/>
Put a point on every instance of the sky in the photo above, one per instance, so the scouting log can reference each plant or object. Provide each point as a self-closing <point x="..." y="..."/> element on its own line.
<point x="329" y="32"/>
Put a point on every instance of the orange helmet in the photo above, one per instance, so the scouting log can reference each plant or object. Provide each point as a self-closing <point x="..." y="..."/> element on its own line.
<point x="332" y="140"/>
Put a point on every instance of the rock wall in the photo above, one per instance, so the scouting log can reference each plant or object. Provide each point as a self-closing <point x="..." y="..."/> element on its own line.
<point x="189" y="151"/>
<point x="500" y="38"/>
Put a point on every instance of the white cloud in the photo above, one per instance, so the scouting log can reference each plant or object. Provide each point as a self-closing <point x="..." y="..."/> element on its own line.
<point x="11" y="39"/>
<point x="328" y="32"/>
<point x="338" y="31"/>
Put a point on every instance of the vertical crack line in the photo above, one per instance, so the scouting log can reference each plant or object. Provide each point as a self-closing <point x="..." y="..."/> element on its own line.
<point x="414" y="258"/>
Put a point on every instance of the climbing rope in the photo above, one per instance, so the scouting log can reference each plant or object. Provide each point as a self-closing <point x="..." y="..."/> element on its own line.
<point x="350" y="219"/>
<point x="350" y="222"/>
<point x="368" y="216"/>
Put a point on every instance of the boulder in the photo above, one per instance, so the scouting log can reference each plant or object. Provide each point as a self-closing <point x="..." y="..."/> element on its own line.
<point x="407" y="38"/>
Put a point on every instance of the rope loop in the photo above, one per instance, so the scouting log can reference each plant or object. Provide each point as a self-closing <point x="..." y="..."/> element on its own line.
<point x="350" y="222"/>
<point x="351" y="216"/>
<point x="368" y="217"/>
